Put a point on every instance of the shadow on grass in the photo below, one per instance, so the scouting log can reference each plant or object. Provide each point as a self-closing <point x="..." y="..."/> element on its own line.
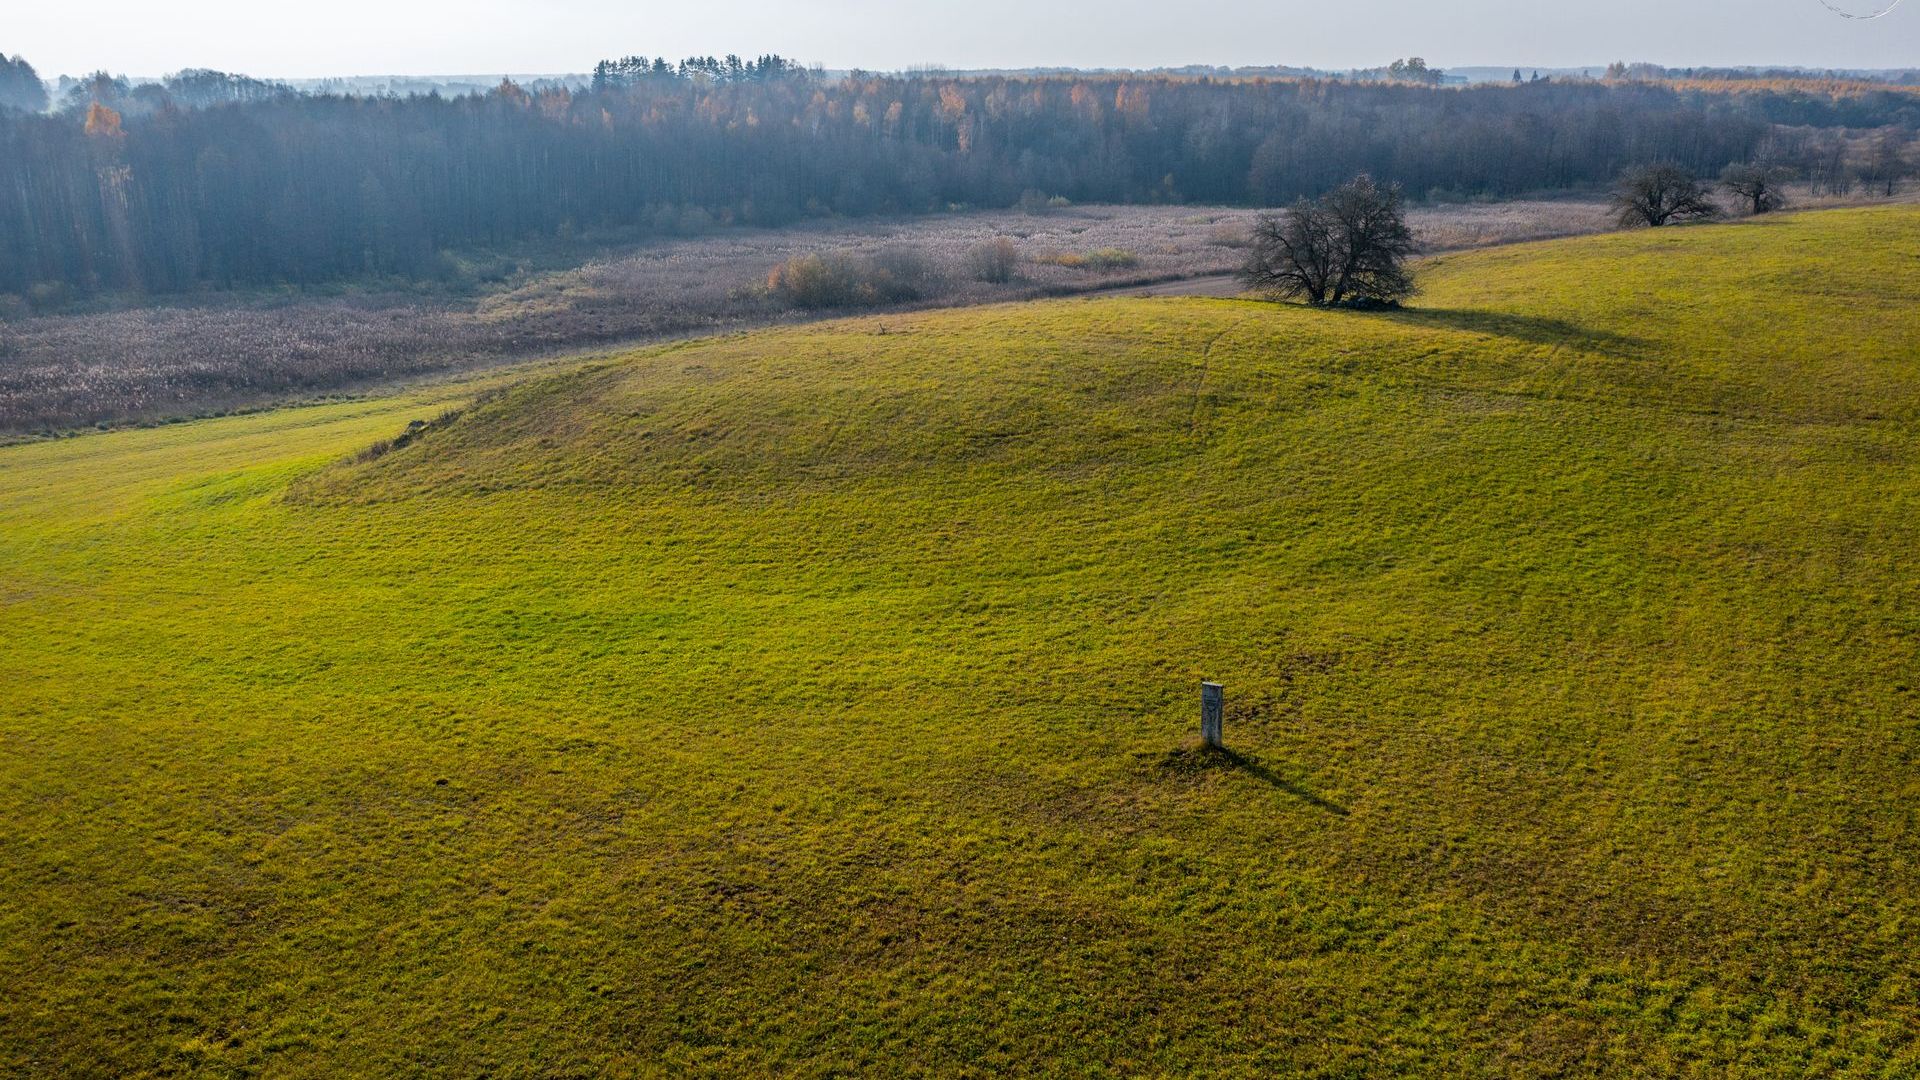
<point x="1253" y="768"/>
<point x="1529" y="328"/>
<point x="1194" y="759"/>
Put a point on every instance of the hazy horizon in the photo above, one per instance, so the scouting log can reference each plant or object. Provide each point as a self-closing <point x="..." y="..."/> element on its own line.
<point x="438" y="38"/>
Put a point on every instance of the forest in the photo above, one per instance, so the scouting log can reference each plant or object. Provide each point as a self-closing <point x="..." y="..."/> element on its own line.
<point x="215" y="181"/>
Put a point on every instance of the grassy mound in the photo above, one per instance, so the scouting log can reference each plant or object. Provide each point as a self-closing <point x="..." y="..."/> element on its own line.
<point x="822" y="700"/>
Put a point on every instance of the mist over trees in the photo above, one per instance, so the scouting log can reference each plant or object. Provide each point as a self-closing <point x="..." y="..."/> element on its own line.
<point x="20" y="85"/>
<point x="217" y="180"/>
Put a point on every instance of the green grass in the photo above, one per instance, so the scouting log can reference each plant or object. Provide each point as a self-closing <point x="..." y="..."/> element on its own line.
<point x="823" y="700"/>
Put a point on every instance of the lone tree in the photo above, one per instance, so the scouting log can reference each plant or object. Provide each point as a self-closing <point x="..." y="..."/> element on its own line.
<point x="1349" y="247"/>
<point x="1656" y="195"/>
<point x="1758" y="187"/>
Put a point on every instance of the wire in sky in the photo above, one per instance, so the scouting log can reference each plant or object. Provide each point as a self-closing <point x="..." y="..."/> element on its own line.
<point x="1888" y="10"/>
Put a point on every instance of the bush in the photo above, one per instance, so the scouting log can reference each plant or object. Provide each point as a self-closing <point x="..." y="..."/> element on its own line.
<point x="50" y="296"/>
<point x="811" y="281"/>
<point x="1230" y="236"/>
<point x="415" y="429"/>
<point x="841" y="280"/>
<point x="1102" y="259"/>
<point x="898" y="274"/>
<point x="993" y="261"/>
<point x="1039" y="202"/>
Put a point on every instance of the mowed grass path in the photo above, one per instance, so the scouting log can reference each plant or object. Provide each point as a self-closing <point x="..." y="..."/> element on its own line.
<point x="822" y="700"/>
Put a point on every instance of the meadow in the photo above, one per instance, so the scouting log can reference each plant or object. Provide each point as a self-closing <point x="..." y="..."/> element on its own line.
<point x="823" y="699"/>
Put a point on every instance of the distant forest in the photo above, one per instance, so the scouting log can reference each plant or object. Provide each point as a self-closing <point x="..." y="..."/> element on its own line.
<point x="213" y="180"/>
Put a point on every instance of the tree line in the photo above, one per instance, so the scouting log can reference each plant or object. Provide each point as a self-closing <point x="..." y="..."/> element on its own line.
<point x="225" y="182"/>
<point x="629" y="70"/>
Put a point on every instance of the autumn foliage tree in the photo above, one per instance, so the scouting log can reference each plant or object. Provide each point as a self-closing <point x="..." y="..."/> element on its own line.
<point x="103" y="122"/>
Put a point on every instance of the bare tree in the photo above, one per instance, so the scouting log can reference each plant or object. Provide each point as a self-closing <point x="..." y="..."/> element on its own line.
<point x="1826" y="165"/>
<point x="1375" y="242"/>
<point x="1349" y="246"/>
<point x="1887" y="164"/>
<point x="1758" y="187"/>
<point x="1656" y="195"/>
<point x="1292" y="255"/>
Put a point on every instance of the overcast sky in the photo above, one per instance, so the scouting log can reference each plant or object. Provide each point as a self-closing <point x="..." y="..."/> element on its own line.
<point x="443" y="37"/>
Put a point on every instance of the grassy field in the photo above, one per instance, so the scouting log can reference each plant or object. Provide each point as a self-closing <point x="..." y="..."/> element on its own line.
<point x="823" y="700"/>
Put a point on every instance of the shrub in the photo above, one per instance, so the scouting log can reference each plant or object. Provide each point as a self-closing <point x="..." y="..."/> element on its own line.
<point x="898" y="274"/>
<point x="812" y="281"/>
<point x="1101" y="259"/>
<point x="50" y="296"/>
<point x="415" y="429"/>
<point x="993" y="261"/>
<point x="1230" y="236"/>
<point x="841" y="280"/>
<point x="1039" y="202"/>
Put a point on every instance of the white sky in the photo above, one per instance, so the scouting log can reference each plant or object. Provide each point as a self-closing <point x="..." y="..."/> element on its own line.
<point x="445" y="37"/>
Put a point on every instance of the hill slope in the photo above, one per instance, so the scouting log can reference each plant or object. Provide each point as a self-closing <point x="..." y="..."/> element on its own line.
<point x="822" y="700"/>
